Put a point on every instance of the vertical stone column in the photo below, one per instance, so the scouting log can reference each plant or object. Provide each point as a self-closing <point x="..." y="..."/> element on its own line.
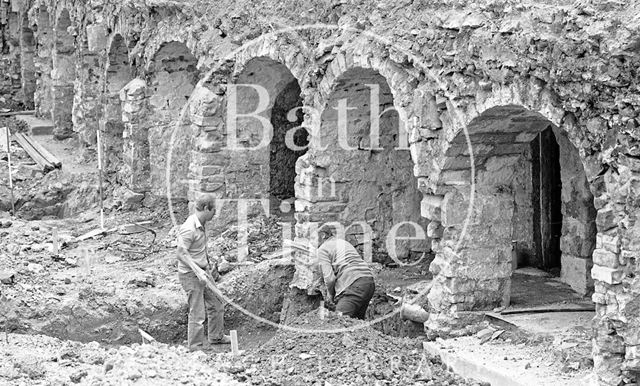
<point x="10" y="85"/>
<point x="28" y="71"/>
<point x="216" y="170"/>
<point x="208" y="164"/>
<point x="467" y="277"/>
<point x="615" y="267"/>
<point x="135" y="110"/>
<point x="63" y="76"/>
<point x="88" y="89"/>
<point x="43" y="65"/>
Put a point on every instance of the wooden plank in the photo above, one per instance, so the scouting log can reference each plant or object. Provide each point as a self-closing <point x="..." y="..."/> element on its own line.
<point x="33" y="153"/>
<point x="234" y="342"/>
<point x="12" y="113"/>
<point x="53" y="160"/>
<point x="500" y="319"/>
<point x="95" y="233"/>
<point x="146" y="336"/>
<point x="544" y="309"/>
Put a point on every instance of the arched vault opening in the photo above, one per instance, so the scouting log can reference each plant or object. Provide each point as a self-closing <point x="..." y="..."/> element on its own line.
<point x="532" y="208"/>
<point x="172" y="77"/>
<point x="359" y="173"/>
<point x="268" y="108"/>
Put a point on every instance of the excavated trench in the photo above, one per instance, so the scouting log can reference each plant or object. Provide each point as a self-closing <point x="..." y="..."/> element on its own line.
<point x="98" y="309"/>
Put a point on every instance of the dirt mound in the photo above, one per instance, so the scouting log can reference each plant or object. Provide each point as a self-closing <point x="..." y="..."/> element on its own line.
<point x="361" y="356"/>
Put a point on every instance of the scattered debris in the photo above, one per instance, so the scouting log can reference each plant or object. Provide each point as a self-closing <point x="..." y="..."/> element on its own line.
<point x="363" y="356"/>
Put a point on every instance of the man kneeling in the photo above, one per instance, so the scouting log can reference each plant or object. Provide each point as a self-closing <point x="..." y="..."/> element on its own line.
<point x="347" y="276"/>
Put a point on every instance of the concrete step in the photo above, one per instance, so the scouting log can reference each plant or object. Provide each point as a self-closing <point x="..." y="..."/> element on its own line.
<point x="472" y="360"/>
<point x="37" y="126"/>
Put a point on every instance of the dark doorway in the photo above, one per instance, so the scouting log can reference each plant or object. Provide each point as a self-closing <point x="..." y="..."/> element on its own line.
<point x="282" y="159"/>
<point x="547" y="201"/>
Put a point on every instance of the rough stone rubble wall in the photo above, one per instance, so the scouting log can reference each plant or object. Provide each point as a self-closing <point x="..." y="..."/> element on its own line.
<point x="574" y="64"/>
<point x="10" y="88"/>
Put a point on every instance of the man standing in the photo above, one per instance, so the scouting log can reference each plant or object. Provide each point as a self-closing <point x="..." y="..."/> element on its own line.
<point x="194" y="268"/>
<point x="347" y="276"/>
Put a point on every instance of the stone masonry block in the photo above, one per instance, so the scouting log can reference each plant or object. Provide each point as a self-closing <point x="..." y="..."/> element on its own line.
<point x="607" y="275"/>
<point x="456" y="177"/>
<point x="575" y="272"/>
<point x="430" y="211"/>
<point x="605" y="258"/>
<point x="435" y="230"/>
<point x="97" y="37"/>
<point x="453" y="209"/>
<point x="135" y="89"/>
<point x="606" y="219"/>
<point x="599" y="298"/>
<point x="610" y="243"/>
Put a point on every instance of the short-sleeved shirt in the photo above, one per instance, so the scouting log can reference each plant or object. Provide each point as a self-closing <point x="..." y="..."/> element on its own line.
<point x="193" y="238"/>
<point x="347" y="264"/>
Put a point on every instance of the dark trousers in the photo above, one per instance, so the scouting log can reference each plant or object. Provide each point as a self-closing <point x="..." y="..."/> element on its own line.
<point x="354" y="300"/>
<point x="202" y="301"/>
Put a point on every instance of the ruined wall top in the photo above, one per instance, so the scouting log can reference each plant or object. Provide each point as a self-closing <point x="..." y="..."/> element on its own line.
<point x="585" y="52"/>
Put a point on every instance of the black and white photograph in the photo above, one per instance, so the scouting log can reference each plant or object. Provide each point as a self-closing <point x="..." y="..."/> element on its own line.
<point x="320" y="192"/>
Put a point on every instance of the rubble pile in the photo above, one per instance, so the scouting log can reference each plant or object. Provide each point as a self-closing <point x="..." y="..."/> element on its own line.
<point x="42" y="194"/>
<point x="36" y="359"/>
<point x="14" y="125"/>
<point x="264" y="236"/>
<point x="362" y="356"/>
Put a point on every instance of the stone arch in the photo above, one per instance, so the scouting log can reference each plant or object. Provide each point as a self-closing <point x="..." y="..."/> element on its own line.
<point x="267" y="85"/>
<point x="27" y="63"/>
<point x="217" y="169"/>
<point x="292" y="56"/>
<point x="63" y="76"/>
<point x="43" y="62"/>
<point x="400" y="81"/>
<point x="357" y="169"/>
<point x="118" y="73"/>
<point x="240" y="151"/>
<point x="503" y="138"/>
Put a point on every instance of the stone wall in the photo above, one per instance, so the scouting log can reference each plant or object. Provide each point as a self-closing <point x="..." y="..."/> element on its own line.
<point x="172" y="75"/>
<point x="10" y="89"/>
<point x="448" y="65"/>
<point x="357" y="173"/>
<point x="40" y="19"/>
<point x="27" y="62"/>
<point x="63" y="75"/>
<point x="119" y="73"/>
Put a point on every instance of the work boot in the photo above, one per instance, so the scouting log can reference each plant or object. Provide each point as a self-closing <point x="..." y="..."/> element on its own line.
<point x="224" y="340"/>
